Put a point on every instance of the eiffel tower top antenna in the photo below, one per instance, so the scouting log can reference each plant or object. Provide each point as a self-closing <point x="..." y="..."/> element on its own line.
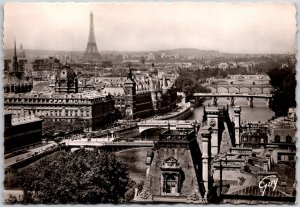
<point x="92" y="33"/>
<point x="91" y="52"/>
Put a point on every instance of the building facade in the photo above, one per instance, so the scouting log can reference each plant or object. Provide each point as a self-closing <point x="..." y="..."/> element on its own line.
<point x="174" y="170"/>
<point x="283" y="139"/>
<point x="50" y="64"/>
<point x="65" y="104"/>
<point x="21" y="132"/>
<point x="144" y="96"/>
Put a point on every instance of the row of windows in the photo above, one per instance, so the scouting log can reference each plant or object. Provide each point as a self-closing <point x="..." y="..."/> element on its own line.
<point x="18" y="88"/>
<point x="255" y="140"/>
<point x="282" y="157"/>
<point x="39" y="100"/>
<point x="42" y="100"/>
<point x="288" y="139"/>
<point x="59" y="112"/>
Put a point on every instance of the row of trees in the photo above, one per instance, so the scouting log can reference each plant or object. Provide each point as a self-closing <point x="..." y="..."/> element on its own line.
<point x="188" y="83"/>
<point x="85" y="177"/>
<point x="284" y="83"/>
<point x="202" y="74"/>
<point x="63" y="128"/>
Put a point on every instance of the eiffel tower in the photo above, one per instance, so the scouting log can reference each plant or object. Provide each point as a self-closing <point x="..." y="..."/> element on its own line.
<point x="91" y="53"/>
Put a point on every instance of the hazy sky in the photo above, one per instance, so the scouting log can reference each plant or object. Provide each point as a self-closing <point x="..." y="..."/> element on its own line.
<point x="239" y="27"/>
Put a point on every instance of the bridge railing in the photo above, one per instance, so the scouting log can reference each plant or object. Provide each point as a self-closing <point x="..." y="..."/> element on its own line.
<point x="104" y="144"/>
<point x="140" y="143"/>
<point x="260" y="95"/>
<point x="165" y="122"/>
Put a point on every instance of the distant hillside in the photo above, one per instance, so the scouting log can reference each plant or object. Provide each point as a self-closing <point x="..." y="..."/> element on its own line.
<point x="8" y="53"/>
<point x="190" y="52"/>
<point x="180" y="51"/>
<point x="209" y="54"/>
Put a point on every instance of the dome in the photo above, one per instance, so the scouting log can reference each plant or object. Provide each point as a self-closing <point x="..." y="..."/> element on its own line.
<point x="66" y="73"/>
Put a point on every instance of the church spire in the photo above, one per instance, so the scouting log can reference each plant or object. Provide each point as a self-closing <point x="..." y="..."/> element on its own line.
<point x="15" y="59"/>
<point x="129" y="75"/>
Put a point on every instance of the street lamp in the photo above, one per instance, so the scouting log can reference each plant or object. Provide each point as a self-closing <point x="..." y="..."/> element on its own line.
<point x="221" y="180"/>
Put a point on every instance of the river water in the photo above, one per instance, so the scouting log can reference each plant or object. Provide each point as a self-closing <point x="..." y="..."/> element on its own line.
<point x="260" y="111"/>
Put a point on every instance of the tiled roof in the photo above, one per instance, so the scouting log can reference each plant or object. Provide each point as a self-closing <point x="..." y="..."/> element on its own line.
<point x="115" y="91"/>
<point x="24" y="120"/>
<point x="40" y="87"/>
<point x="10" y="79"/>
<point x="184" y="158"/>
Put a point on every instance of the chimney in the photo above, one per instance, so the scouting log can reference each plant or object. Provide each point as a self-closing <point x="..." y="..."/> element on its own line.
<point x="84" y="82"/>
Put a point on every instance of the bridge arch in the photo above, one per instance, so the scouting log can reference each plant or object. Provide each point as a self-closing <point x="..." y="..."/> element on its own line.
<point x="267" y="90"/>
<point x="150" y="133"/>
<point x="221" y="89"/>
<point x="233" y="89"/>
<point x="256" y="89"/>
<point x="245" y="90"/>
<point x="212" y="89"/>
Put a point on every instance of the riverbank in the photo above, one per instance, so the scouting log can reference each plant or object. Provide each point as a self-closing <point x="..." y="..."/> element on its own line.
<point x="183" y="111"/>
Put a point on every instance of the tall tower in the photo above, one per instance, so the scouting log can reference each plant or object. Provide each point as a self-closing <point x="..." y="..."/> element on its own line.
<point x="130" y="85"/>
<point x="91" y="52"/>
<point x="237" y="123"/>
<point x="15" y="60"/>
<point x="21" y="52"/>
<point x="130" y="92"/>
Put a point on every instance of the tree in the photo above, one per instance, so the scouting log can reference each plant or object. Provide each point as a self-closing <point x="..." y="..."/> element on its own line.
<point x="284" y="83"/>
<point x="76" y="177"/>
<point x="277" y="76"/>
<point x="63" y="127"/>
<point x="189" y="85"/>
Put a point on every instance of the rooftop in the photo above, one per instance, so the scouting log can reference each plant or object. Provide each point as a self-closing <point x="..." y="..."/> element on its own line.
<point x="115" y="91"/>
<point x="24" y="120"/>
<point x="50" y="95"/>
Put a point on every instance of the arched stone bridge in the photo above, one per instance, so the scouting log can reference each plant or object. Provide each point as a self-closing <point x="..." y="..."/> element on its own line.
<point x="231" y="97"/>
<point x="241" y="88"/>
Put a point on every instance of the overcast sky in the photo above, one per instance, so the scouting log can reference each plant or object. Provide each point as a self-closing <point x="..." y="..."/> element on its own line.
<point x="237" y="28"/>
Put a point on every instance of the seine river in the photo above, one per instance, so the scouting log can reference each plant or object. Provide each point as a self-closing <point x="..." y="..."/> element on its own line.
<point x="260" y="111"/>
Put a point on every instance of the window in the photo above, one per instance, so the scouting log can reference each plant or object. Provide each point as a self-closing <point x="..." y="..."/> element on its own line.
<point x="288" y="139"/>
<point x="277" y="138"/>
<point x="279" y="157"/>
<point x="291" y="157"/>
<point x="170" y="177"/>
<point x="171" y="184"/>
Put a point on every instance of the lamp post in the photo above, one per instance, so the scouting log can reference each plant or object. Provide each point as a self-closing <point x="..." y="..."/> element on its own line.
<point x="221" y="180"/>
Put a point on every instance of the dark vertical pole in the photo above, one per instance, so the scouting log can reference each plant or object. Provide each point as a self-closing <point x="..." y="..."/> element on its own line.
<point x="221" y="179"/>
